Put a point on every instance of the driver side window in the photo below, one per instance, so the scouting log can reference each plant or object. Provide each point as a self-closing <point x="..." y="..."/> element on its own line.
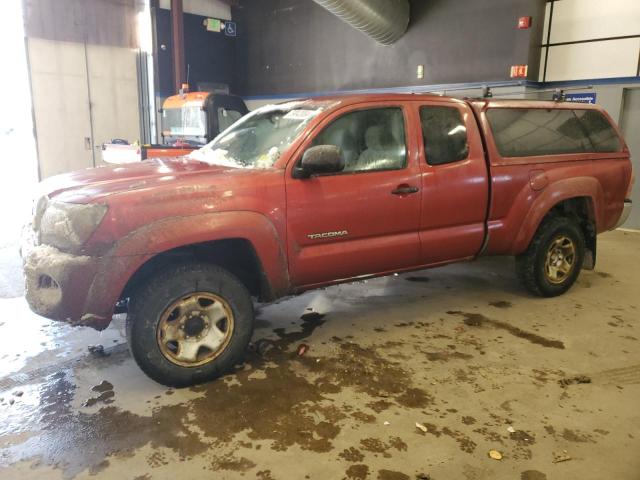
<point x="370" y="140"/>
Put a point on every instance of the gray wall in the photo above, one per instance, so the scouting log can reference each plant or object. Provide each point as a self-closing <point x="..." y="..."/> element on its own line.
<point x="294" y="46"/>
<point x="98" y="22"/>
<point x="610" y="97"/>
<point x="630" y="124"/>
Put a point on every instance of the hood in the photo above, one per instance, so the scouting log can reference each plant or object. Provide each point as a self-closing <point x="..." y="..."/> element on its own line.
<point x="93" y="184"/>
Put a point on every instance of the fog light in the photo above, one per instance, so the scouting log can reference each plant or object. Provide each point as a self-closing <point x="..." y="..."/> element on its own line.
<point x="47" y="282"/>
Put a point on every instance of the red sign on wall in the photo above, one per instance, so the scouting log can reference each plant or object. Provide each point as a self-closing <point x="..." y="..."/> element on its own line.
<point x="519" y="71"/>
<point x="524" y="23"/>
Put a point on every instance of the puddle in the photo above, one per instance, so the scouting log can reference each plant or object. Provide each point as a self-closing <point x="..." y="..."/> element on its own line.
<point x="290" y="403"/>
<point x="478" y="320"/>
<point x="576" y="437"/>
<point x="464" y="443"/>
<point x="392" y="475"/>
<point x="107" y="395"/>
<point x="74" y="441"/>
<point x="357" y="472"/>
<point x="418" y="279"/>
<point x="522" y="438"/>
<point x="446" y="356"/>
<point x="501" y="304"/>
<point x="352" y="455"/>
<point x="532" y="475"/>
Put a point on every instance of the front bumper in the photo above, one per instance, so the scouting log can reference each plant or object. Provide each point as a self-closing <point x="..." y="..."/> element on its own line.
<point x="626" y="211"/>
<point x="58" y="284"/>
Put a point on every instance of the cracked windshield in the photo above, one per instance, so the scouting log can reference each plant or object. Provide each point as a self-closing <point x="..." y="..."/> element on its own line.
<point x="259" y="139"/>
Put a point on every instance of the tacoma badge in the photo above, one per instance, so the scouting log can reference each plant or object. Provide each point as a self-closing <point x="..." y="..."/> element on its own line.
<point x="319" y="236"/>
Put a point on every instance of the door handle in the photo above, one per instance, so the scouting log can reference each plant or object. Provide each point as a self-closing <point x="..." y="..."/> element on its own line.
<point x="405" y="190"/>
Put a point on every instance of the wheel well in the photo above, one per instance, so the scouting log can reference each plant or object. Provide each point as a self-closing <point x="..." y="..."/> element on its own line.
<point x="581" y="210"/>
<point x="235" y="255"/>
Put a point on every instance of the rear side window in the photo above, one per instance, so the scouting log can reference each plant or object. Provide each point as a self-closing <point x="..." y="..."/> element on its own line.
<point x="522" y="132"/>
<point x="602" y="135"/>
<point x="444" y="134"/>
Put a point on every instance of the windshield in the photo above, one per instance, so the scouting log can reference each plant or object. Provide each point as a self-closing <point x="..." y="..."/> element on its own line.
<point x="187" y="121"/>
<point x="258" y="140"/>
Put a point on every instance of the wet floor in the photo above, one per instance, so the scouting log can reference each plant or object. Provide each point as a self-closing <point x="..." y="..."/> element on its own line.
<point x="410" y="376"/>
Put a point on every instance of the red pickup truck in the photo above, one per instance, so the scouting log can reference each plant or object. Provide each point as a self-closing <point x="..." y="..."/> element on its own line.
<point x="316" y="192"/>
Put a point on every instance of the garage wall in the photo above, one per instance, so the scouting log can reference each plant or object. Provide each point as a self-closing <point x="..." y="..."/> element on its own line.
<point x="293" y="46"/>
<point x="211" y="56"/>
<point x="101" y="22"/>
<point x="589" y="39"/>
<point x="593" y="43"/>
<point x="630" y="124"/>
<point x="84" y="80"/>
<point x="597" y="43"/>
<point x="204" y="8"/>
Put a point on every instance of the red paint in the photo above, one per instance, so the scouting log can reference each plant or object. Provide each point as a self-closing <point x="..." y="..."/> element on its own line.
<point x="162" y="204"/>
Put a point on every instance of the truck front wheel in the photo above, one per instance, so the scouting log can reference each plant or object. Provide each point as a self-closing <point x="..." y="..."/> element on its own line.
<point x="552" y="263"/>
<point x="191" y="323"/>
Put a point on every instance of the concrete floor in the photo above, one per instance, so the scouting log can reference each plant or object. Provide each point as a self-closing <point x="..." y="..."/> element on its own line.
<point x="462" y="350"/>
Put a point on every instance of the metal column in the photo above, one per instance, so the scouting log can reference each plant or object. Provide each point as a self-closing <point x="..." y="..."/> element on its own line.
<point x="178" y="43"/>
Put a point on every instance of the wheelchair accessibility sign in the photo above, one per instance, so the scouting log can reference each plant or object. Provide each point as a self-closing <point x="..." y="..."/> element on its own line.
<point x="230" y="29"/>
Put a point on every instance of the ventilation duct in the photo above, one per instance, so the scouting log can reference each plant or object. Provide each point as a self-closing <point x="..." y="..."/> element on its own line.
<point x="383" y="20"/>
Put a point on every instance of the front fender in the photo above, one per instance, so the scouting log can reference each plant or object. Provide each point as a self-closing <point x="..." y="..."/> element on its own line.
<point x="555" y="193"/>
<point x="133" y="250"/>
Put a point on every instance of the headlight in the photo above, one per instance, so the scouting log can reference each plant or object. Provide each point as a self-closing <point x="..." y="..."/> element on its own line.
<point x="69" y="225"/>
<point x="39" y="206"/>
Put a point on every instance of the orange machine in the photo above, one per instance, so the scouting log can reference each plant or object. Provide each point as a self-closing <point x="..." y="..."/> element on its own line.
<point x="188" y="120"/>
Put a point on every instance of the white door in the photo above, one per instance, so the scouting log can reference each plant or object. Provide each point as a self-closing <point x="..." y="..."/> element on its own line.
<point x="83" y="95"/>
<point x="61" y="106"/>
<point x="113" y="84"/>
<point x="630" y="125"/>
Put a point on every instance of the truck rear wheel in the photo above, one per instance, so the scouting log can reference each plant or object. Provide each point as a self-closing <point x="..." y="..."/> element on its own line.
<point x="552" y="262"/>
<point x="191" y="323"/>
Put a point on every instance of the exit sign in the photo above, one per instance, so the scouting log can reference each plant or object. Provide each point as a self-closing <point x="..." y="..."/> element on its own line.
<point x="519" y="71"/>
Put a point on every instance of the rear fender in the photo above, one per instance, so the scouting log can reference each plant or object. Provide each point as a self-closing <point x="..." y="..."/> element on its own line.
<point x="554" y="194"/>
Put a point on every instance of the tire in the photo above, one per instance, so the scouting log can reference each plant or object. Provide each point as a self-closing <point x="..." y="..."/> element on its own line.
<point x="200" y="293"/>
<point x="532" y="266"/>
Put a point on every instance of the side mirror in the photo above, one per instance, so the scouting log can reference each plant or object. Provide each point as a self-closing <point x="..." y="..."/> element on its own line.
<point x="464" y="151"/>
<point x="318" y="160"/>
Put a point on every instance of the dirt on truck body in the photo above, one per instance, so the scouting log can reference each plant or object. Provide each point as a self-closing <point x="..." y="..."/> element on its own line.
<point x="315" y="192"/>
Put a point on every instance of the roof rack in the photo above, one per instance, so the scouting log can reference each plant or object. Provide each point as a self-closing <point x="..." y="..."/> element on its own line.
<point x="558" y="94"/>
<point x="444" y="91"/>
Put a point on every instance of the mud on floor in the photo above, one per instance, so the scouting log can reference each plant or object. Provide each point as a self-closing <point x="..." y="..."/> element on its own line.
<point x="347" y="407"/>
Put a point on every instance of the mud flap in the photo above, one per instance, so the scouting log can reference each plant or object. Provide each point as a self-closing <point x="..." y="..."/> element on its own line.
<point x="589" y="262"/>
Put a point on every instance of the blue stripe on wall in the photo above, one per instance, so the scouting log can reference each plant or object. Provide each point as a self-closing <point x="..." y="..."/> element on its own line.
<point x="454" y="87"/>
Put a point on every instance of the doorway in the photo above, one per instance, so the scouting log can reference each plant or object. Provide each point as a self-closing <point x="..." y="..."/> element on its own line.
<point x="19" y="160"/>
<point x="630" y="124"/>
<point x="84" y="95"/>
